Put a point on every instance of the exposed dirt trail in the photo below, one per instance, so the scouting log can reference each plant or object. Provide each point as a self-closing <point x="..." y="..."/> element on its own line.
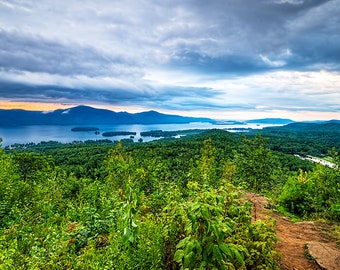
<point x="293" y="237"/>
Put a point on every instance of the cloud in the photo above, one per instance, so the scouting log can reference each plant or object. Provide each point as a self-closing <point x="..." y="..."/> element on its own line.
<point x="295" y="90"/>
<point x="272" y="63"/>
<point x="218" y="55"/>
<point x="90" y="35"/>
<point x="30" y="53"/>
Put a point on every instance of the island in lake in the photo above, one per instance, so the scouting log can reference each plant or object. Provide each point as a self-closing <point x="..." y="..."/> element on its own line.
<point x="118" y="133"/>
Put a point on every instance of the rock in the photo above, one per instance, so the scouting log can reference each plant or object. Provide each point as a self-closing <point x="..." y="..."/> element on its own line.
<point x="326" y="256"/>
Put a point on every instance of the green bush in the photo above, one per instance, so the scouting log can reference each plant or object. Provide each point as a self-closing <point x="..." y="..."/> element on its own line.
<point x="214" y="232"/>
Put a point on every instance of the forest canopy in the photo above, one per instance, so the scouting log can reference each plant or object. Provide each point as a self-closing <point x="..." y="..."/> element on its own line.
<point x="167" y="204"/>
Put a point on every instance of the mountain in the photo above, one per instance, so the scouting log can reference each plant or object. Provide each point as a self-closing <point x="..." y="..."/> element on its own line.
<point x="84" y="115"/>
<point x="274" y="121"/>
<point x="323" y="126"/>
<point x="310" y="127"/>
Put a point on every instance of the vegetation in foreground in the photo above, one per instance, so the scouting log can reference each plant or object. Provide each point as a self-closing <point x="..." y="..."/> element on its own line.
<point x="170" y="204"/>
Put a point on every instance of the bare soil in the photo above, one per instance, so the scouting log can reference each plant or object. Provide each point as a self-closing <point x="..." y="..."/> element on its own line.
<point x="294" y="238"/>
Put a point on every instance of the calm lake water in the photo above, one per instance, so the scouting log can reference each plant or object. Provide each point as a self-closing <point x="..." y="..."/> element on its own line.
<point x="36" y="134"/>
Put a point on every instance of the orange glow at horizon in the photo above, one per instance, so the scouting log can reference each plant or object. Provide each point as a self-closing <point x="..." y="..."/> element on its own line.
<point x="41" y="106"/>
<point x="32" y="106"/>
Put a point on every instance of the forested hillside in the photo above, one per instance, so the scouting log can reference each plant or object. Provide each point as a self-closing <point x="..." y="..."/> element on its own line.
<point x="167" y="204"/>
<point x="304" y="138"/>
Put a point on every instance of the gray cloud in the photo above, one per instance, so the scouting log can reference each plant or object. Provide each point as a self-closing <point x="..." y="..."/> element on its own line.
<point x="104" y="51"/>
<point x="31" y="53"/>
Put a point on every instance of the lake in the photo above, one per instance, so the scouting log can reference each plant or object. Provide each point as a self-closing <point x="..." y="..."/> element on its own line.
<point x="63" y="134"/>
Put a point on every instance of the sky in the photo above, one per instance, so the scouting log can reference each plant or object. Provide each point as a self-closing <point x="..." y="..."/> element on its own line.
<point x="224" y="59"/>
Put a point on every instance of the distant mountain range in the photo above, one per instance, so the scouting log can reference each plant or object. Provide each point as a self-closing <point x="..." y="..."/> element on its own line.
<point x="273" y="121"/>
<point x="84" y="115"/>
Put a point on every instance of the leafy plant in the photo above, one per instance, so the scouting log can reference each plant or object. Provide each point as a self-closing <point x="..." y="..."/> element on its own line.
<point x="217" y="227"/>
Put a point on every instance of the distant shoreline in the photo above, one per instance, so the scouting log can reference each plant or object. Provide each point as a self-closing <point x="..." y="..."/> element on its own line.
<point x="118" y="133"/>
<point x="84" y="129"/>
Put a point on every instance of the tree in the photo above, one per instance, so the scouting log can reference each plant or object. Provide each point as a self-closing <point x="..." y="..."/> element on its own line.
<point x="255" y="163"/>
<point x="207" y="163"/>
<point x="33" y="166"/>
<point x="334" y="154"/>
<point x="120" y="167"/>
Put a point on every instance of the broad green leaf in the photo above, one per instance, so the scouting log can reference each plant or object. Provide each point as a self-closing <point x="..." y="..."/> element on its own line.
<point x="189" y="247"/>
<point x="210" y="248"/>
<point x="215" y="230"/>
<point x="183" y="242"/>
<point x="238" y="256"/>
<point x="217" y="253"/>
<point x="179" y="254"/>
<point x="225" y="249"/>
<point x="203" y="265"/>
<point x="205" y="212"/>
<point x="189" y="259"/>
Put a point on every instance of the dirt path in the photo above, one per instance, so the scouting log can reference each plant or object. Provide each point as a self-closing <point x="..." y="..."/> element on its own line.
<point x="293" y="237"/>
